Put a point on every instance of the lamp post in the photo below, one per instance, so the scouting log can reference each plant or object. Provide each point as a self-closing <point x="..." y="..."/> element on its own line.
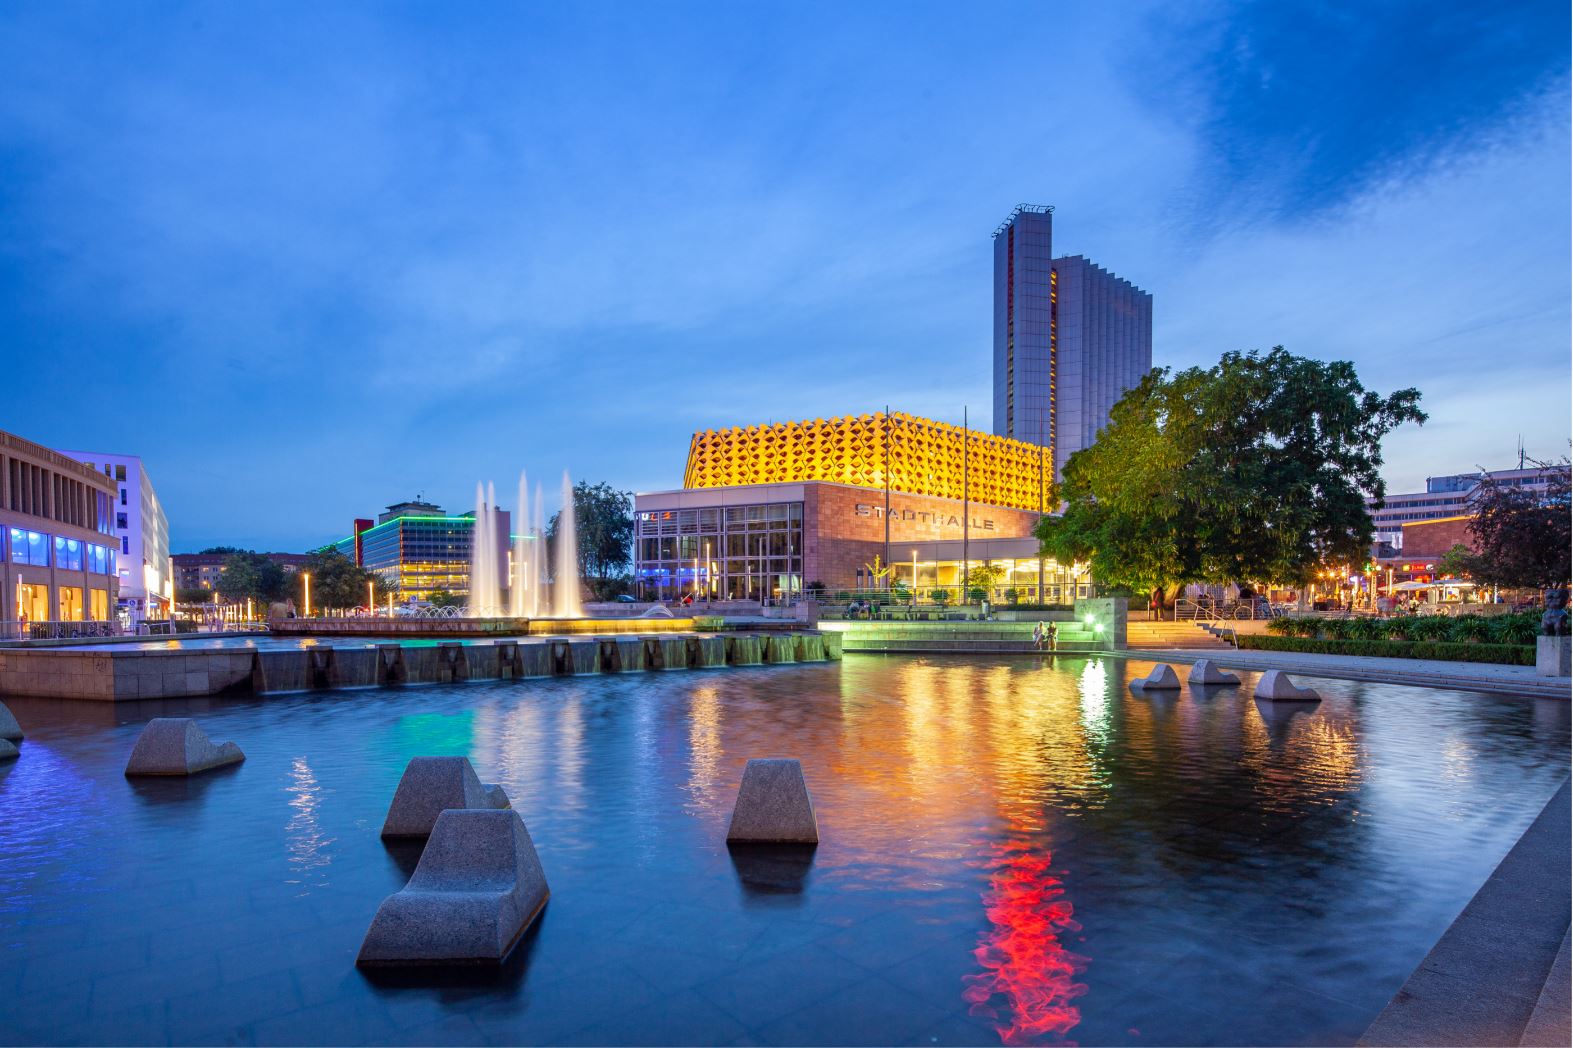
<point x="371" y="599"/>
<point x="305" y="578"/>
<point x="914" y="578"/>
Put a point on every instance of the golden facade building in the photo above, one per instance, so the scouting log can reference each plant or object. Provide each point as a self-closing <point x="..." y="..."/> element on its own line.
<point x="922" y="456"/>
<point x="772" y="511"/>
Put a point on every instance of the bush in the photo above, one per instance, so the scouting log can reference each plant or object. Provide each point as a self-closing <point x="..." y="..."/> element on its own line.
<point x="1507" y="654"/>
<point x="1431" y="627"/>
<point x="1470" y="629"/>
<point x="940" y="596"/>
<point x="1283" y="626"/>
<point x="977" y="594"/>
<point x="1011" y="594"/>
<point x="1521" y="628"/>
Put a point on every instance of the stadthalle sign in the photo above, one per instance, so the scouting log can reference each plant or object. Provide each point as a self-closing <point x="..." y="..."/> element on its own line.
<point x="944" y="520"/>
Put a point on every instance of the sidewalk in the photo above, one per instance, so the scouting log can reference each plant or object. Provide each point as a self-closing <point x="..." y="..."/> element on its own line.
<point x="1465" y="676"/>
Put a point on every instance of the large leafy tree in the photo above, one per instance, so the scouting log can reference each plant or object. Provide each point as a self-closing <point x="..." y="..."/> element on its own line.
<point x="338" y="582"/>
<point x="1522" y="538"/>
<point x="604" y="519"/>
<point x="1257" y="468"/>
<point x="252" y="575"/>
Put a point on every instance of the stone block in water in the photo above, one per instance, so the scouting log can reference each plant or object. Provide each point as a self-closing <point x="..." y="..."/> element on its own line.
<point x="743" y="649"/>
<point x="507" y="652"/>
<point x="479" y="885"/>
<point x="9" y="728"/>
<point x="810" y="647"/>
<point x="390" y="664"/>
<point x="1162" y="678"/>
<point x="780" y="647"/>
<point x="666" y="652"/>
<point x="353" y="668"/>
<point x="706" y="651"/>
<point x="177" y="746"/>
<point x="430" y="786"/>
<point x="628" y="654"/>
<point x="1275" y="686"/>
<point x="773" y="806"/>
<point x="1204" y="672"/>
<point x="576" y="655"/>
<point x="832" y="639"/>
<point x="280" y="671"/>
<point x="453" y="659"/>
<point x="422" y="666"/>
<point x="8" y="750"/>
<point x="533" y="659"/>
<point x="320" y="665"/>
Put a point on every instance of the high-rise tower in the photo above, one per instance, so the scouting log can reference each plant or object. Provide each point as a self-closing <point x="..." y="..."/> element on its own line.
<point x="1069" y="338"/>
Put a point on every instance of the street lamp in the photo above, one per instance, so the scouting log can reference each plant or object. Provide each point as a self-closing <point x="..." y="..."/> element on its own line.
<point x="305" y="578"/>
<point x="371" y="599"/>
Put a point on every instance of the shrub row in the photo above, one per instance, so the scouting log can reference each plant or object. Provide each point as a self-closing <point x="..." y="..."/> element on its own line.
<point x="1460" y="629"/>
<point x="1449" y="651"/>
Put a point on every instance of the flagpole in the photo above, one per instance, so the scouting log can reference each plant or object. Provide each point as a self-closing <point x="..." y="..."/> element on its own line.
<point x="887" y="488"/>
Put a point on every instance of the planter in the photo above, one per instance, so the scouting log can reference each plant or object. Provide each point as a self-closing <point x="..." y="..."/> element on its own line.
<point x="1552" y="656"/>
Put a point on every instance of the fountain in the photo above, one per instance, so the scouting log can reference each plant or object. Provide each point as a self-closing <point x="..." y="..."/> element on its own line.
<point x="535" y="588"/>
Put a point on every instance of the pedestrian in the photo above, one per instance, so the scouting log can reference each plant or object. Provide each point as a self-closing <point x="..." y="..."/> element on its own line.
<point x="1037" y="637"/>
<point x="1053" y="636"/>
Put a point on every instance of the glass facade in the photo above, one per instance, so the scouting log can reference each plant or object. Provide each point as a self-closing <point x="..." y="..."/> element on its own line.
<point x="418" y="555"/>
<point x="29" y="547"/>
<point x="720" y="552"/>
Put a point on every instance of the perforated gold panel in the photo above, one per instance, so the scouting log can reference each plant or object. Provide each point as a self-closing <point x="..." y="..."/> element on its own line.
<point x="926" y="458"/>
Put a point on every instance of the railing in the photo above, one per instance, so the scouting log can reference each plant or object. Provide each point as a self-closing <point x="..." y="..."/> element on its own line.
<point x="64" y="630"/>
<point x="1206" y="609"/>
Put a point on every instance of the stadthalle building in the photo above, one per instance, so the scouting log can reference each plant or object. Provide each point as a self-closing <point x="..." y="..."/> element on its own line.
<point x="875" y="500"/>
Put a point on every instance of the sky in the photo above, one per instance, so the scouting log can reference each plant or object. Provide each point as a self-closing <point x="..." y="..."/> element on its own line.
<point x="311" y="259"/>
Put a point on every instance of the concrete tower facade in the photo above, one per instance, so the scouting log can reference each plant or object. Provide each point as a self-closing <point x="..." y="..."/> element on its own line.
<point x="1070" y="338"/>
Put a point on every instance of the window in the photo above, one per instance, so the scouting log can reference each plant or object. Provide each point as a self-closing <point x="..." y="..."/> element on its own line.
<point x="98" y="559"/>
<point x="35" y="602"/>
<point x="98" y="605"/>
<point x="120" y="521"/>
<point x="125" y="545"/>
<point x="120" y="472"/>
<point x="70" y="603"/>
<point x="68" y="555"/>
<point x="122" y="496"/>
<point x="29" y="547"/>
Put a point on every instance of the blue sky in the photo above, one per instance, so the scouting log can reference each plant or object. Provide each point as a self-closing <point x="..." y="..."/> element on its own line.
<point x="311" y="259"/>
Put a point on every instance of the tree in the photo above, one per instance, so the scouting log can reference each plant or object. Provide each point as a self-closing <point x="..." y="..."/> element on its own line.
<point x="604" y="522"/>
<point x="338" y="582"/>
<point x="226" y="550"/>
<point x="1257" y="468"/>
<point x="1458" y="562"/>
<point x="443" y="599"/>
<point x="252" y="575"/>
<point x="1522" y="537"/>
<point x="985" y="577"/>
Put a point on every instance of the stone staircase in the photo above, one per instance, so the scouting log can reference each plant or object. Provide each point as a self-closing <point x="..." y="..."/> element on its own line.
<point x="959" y="637"/>
<point x="1166" y="635"/>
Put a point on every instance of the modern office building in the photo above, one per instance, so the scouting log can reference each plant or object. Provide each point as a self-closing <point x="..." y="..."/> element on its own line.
<point x="420" y="549"/>
<point x="57" y="538"/>
<point x="206" y="570"/>
<point x="1069" y="338"/>
<point x="1443" y="497"/>
<point x="147" y="580"/>
<point x="861" y="502"/>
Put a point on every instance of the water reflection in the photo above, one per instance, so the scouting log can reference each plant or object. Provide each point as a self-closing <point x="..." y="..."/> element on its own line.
<point x="1029" y="978"/>
<point x="308" y="843"/>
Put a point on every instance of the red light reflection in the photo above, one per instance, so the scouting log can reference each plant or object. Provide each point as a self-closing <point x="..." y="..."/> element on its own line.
<point x="1021" y="956"/>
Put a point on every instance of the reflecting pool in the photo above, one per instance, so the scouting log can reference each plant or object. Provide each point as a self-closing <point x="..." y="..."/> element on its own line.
<point x="1013" y="851"/>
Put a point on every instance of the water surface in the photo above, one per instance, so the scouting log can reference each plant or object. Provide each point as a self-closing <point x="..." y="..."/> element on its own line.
<point x="1012" y="851"/>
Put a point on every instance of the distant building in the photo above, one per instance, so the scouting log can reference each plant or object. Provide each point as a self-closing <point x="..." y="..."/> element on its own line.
<point x="1069" y="338"/>
<point x="768" y="511"/>
<point x="147" y="583"/>
<point x="57" y="537"/>
<point x="419" y="549"/>
<point x="206" y="570"/>
<point x="1444" y="497"/>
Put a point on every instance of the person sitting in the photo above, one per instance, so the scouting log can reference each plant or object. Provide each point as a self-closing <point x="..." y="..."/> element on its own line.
<point x="1037" y="636"/>
<point x="1052" y="635"/>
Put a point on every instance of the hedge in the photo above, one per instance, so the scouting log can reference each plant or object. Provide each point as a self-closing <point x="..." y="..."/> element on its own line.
<point x="1449" y="651"/>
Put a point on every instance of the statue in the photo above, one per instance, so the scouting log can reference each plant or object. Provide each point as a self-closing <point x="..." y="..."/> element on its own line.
<point x="1554" y="623"/>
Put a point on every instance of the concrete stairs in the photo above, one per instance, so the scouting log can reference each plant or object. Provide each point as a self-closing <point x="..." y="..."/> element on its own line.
<point x="958" y="637"/>
<point x="1166" y="635"/>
